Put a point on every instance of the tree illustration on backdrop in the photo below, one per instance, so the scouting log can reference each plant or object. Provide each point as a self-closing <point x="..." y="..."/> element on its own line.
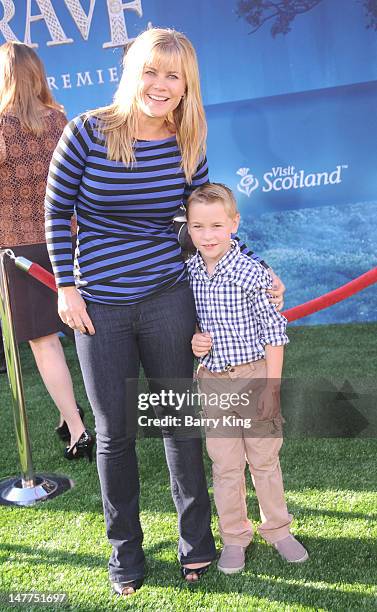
<point x="371" y="12"/>
<point x="282" y="13"/>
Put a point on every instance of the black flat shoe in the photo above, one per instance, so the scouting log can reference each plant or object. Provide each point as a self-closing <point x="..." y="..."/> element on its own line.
<point x="82" y="448"/>
<point x="63" y="432"/>
<point x="199" y="571"/>
<point x="118" y="587"/>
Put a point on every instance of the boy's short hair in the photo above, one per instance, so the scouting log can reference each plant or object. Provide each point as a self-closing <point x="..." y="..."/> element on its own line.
<point x="214" y="192"/>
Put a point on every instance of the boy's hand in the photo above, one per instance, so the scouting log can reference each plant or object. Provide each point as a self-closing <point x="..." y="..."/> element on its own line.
<point x="201" y="344"/>
<point x="269" y="401"/>
<point x="276" y="293"/>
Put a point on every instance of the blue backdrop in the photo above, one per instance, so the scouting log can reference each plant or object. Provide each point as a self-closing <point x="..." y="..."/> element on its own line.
<point x="290" y="95"/>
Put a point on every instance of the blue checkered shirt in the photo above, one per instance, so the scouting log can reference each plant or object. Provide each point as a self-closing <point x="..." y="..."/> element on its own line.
<point x="233" y="307"/>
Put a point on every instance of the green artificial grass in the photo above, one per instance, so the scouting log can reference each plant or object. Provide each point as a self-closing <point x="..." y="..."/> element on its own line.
<point x="60" y="545"/>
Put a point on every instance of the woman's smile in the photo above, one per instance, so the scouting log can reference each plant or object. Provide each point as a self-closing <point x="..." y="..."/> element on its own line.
<point x="157" y="98"/>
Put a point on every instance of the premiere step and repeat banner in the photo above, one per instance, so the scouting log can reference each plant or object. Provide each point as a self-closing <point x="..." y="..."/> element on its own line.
<point x="290" y="90"/>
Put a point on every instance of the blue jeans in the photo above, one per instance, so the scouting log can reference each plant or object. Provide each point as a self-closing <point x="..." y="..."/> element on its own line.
<point x="157" y="333"/>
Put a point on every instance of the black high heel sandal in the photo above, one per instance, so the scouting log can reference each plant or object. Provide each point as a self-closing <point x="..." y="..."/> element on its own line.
<point x="199" y="571"/>
<point x="82" y="448"/>
<point x="63" y="432"/>
<point x="118" y="587"/>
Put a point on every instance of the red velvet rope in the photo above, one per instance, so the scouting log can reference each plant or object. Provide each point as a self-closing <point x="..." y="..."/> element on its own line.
<point x="292" y="314"/>
<point x="328" y="299"/>
<point x="45" y="277"/>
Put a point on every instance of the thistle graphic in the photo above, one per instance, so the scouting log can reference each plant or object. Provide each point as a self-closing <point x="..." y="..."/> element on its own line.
<point x="248" y="182"/>
<point x="243" y="171"/>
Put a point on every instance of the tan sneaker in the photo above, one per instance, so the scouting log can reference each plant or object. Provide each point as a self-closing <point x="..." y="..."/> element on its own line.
<point x="232" y="559"/>
<point x="291" y="550"/>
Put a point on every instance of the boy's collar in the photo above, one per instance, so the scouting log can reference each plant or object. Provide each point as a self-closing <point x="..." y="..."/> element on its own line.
<point x="197" y="262"/>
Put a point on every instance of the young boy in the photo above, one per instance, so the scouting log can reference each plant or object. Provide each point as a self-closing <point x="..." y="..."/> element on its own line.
<point x="240" y="345"/>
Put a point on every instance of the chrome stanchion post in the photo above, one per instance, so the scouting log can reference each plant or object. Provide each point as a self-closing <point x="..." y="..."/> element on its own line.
<point x="30" y="488"/>
<point x="12" y="359"/>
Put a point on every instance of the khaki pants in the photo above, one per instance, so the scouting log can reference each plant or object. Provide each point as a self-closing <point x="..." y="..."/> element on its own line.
<point x="230" y="444"/>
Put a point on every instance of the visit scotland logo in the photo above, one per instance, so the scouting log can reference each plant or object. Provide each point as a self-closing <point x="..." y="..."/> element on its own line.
<point x="285" y="178"/>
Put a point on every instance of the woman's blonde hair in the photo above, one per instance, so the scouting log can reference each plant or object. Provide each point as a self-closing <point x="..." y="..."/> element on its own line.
<point x="22" y="84"/>
<point x="118" y="122"/>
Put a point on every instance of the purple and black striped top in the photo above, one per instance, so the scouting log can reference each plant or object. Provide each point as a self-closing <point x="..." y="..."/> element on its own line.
<point x="127" y="249"/>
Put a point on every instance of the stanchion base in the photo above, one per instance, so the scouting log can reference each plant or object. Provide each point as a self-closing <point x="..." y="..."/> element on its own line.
<point x="46" y="486"/>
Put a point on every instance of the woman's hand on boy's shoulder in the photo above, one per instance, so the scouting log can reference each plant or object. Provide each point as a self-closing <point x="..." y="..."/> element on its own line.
<point x="201" y="344"/>
<point x="276" y="293"/>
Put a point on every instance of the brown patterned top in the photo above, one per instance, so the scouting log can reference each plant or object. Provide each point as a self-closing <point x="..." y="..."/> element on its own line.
<point x="24" y="162"/>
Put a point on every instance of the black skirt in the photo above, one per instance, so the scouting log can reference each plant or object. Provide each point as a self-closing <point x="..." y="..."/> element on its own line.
<point x="34" y="306"/>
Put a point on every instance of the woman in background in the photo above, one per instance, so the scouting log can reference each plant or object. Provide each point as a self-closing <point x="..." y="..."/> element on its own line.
<point x="31" y="123"/>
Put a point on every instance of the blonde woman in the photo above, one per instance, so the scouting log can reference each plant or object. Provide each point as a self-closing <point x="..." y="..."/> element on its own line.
<point x="127" y="168"/>
<point x="31" y="123"/>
